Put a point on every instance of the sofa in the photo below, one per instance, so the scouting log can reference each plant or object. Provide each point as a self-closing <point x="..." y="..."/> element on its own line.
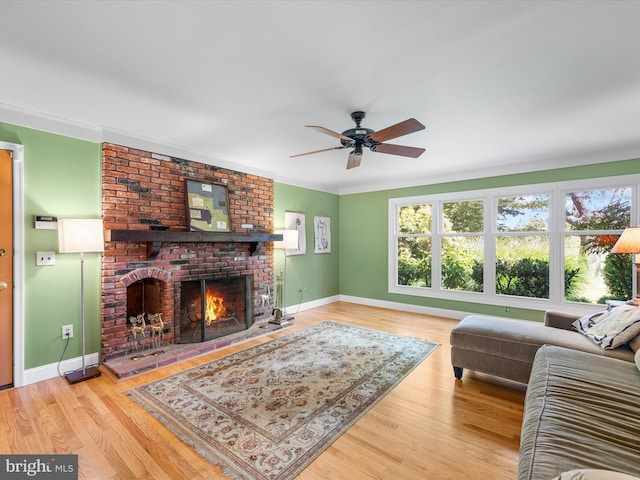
<point x="506" y="347"/>
<point x="582" y="413"/>
<point x="582" y="405"/>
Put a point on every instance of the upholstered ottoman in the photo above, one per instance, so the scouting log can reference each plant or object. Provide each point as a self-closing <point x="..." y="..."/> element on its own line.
<point x="506" y="347"/>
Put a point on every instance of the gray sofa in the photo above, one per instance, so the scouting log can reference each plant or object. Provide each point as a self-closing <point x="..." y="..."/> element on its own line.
<point x="582" y="411"/>
<point x="506" y="347"/>
<point x="582" y="406"/>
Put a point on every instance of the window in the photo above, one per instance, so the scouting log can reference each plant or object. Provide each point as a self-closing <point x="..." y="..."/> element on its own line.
<point x="522" y="246"/>
<point x="414" y="245"/>
<point x="593" y="222"/>
<point x="462" y="245"/>
<point x="533" y="247"/>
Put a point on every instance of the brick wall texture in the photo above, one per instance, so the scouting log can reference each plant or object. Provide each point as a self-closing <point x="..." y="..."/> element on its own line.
<point x="145" y="190"/>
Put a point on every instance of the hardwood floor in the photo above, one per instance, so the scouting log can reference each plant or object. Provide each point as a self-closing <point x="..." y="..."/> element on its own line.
<point x="429" y="427"/>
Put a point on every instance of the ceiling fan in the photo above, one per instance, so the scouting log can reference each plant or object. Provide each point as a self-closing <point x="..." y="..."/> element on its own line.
<point x="359" y="137"/>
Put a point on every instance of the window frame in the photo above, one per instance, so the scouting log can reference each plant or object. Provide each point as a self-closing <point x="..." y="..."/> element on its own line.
<point x="556" y="233"/>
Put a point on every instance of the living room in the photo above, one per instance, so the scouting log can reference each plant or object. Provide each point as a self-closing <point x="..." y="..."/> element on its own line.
<point x="60" y="162"/>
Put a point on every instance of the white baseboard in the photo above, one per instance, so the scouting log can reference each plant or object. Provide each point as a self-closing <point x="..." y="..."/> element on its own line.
<point x="405" y="307"/>
<point x="46" y="372"/>
<point x="293" y="309"/>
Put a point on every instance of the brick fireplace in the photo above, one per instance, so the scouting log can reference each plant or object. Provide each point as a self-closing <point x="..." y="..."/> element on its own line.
<point x="150" y="253"/>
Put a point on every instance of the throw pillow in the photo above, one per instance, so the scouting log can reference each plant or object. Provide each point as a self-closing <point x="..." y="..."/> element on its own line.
<point x="593" y="474"/>
<point x="583" y="323"/>
<point x="613" y="328"/>
<point x="634" y="343"/>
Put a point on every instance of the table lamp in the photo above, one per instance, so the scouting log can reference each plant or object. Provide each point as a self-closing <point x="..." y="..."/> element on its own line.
<point x="629" y="242"/>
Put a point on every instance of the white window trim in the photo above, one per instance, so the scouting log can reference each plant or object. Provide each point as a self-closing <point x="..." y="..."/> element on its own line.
<point x="556" y="192"/>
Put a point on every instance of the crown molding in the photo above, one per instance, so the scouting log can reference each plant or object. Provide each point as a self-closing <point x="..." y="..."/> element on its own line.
<point x="591" y="158"/>
<point x="49" y="123"/>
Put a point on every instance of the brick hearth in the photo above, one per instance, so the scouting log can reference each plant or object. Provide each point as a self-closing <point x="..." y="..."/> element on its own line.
<point x="144" y="190"/>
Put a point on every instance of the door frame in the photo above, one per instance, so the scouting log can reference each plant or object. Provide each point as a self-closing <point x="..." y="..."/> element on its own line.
<point x="17" y="153"/>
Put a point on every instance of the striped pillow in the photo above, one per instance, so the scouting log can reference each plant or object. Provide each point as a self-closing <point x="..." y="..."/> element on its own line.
<point x="592" y="474"/>
<point x="613" y="328"/>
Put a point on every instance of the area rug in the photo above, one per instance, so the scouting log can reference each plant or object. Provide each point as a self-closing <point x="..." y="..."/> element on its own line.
<point x="266" y="412"/>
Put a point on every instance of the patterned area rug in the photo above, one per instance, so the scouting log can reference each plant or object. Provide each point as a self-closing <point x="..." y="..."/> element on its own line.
<point x="266" y="412"/>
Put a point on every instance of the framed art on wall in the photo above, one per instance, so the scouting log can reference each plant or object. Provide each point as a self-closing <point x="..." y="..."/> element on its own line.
<point x="207" y="207"/>
<point x="322" y="234"/>
<point x="296" y="221"/>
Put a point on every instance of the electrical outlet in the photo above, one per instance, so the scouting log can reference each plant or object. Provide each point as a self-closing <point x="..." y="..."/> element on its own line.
<point x="45" y="258"/>
<point x="67" y="331"/>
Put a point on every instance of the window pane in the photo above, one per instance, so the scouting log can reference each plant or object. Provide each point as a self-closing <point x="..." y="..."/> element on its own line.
<point x="598" y="209"/>
<point x="414" y="219"/>
<point x="462" y="263"/>
<point x="592" y="274"/>
<point x="528" y="213"/>
<point x="522" y="266"/>
<point x="462" y="217"/>
<point x="414" y="261"/>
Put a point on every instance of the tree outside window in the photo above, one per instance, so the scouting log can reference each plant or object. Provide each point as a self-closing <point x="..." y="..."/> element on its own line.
<point x="462" y="245"/>
<point x="516" y="248"/>
<point x="594" y="220"/>
<point x="414" y="245"/>
<point x="522" y="247"/>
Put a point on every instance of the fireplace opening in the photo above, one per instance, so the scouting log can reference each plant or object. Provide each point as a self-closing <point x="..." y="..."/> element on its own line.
<point x="143" y="296"/>
<point x="145" y="322"/>
<point x="212" y="308"/>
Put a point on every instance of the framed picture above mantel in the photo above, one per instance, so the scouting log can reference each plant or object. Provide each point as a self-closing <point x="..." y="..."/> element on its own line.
<point x="207" y="207"/>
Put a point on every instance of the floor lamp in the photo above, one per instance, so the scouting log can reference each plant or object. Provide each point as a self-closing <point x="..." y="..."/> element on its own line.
<point x="629" y="242"/>
<point x="289" y="241"/>
<point x="80" y="235"/>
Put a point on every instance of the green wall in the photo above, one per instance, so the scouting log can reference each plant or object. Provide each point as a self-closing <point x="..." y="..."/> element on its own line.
<point x="316" y="274"/>
<point x="364" y="233"/>
<point x="62" y="177"/>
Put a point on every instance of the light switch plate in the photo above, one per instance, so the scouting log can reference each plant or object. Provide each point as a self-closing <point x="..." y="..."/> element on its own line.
<point x="45" y="258"/>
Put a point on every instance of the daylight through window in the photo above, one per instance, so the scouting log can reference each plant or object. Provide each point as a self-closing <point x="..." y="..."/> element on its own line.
<point x="545" y="244"/>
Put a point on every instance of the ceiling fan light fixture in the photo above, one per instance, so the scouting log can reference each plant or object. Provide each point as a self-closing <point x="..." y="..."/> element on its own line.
<point x="354" y="159"/>
<point x="359" y="136"/>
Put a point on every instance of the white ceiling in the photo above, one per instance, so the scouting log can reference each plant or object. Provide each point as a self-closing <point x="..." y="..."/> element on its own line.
<point x="501" y="86"/>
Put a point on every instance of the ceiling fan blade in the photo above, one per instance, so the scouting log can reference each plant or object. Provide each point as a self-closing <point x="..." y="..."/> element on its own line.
<point x="331" y="133"/>
<point x="316" y="151"/>
<point x="354" y="159"/>
<point x="401" y="150"/>
<point x="397" y="130"/>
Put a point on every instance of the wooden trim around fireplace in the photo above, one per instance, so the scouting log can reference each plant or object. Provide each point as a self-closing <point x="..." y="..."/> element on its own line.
<point x="155" y="238"/>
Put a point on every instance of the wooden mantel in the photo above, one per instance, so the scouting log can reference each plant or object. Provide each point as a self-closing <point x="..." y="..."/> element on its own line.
<point x="155" y="238"/>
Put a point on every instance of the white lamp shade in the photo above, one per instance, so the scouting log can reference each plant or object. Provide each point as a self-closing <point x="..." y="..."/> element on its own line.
<point x="629" y="241"/>
<point x="80" y="235"/>
<point x="289" y="239"/>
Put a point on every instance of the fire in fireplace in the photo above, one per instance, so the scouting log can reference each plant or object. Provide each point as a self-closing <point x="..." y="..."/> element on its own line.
<point x="212" y="308"/>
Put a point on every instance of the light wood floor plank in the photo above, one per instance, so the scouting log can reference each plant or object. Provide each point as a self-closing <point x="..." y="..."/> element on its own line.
<point x="429" y="426"/>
